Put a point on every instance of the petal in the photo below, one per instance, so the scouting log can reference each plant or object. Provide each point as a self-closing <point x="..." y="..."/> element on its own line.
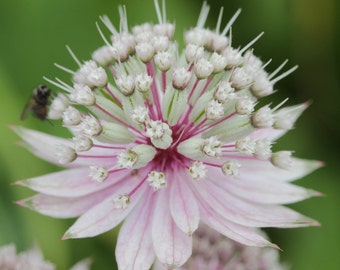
<point x="44" y="146"/>
<point x="252" y="169"/>
<point x="134" y="250"/>
<point x="103" y="216"/>
<point x="242" y="234"/>
<point x="62" y="207"/>
<point x="246" y="213"/>
<point x="172" y="246"/>
<point x="260" y="190"/>
<point x="183" y="205"/>
<point x="71" y="182"/>
<point x="82" y="265"/>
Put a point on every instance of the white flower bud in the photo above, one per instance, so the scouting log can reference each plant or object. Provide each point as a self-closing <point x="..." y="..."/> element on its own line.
<point x="231" y="168"/>
<point x="160" y="43"/>
<point x="198" y="170"/>
<point x="164" y="29"/>
<point x="224" y="92"/>
<point x="214" y="110"/>
<point x="218" y="42"/>
<point x="263" y="118"/>
<point x="263" y="149"/>
<point x="246" y="146"/>
<point x="90" y="126"/>
<point x="233" y="56"/>
<point x="156" y="180"/>
<point x="159" y="133"/>
<point x="71" y="117"/>
<point x="98" y="173"/>
<point x="240" y="78"/>
<point x="244" y="106"/>
<point x="262" y="86"/>
<point x="143" y="82"/>
<point x="126" y="84"/>
<point x="145" y="51"/>
<point x="282" y="159"/>
<point x="121" y="201"/>
<point x="211" y="147"/>
<point x="127" y="159"/>
<point x="140" y="115"/>
<point x="180" y="78"/>
<point x="58" y="106"/>
<point x="65" y="154"/>
<point x="82" y="143"/>
<point x="164" y="60"/>
<point x="83" y="95"/>
<point x="103" y="56"/>
<point x="193" y="53"/>
<point x="203" y="68"/>
<point x="218" y="61"/>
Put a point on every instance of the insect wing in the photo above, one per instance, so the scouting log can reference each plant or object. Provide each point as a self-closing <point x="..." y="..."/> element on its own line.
<point x="27" y="109"/>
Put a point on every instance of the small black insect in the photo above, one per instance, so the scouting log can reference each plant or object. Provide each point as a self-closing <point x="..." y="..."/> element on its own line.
<point x="38" y="103"/>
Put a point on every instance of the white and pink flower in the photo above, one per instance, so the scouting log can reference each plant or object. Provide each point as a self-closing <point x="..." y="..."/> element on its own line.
<point x="169" y="139"/>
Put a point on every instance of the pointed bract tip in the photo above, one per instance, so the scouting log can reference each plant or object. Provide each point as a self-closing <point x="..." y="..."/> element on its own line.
<point x="20" y="203"/>
<point x="272" y="245"/>
<point x="67" y="235"/>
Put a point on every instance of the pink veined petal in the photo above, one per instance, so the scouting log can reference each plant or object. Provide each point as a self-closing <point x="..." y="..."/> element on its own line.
<point x="72" y="182"/>
<point x="44" y="146"/>
<point x="104" y="216"/>
<point x="249" y="214"/>
<point x="261" y="190"/>
<point x="172" y="246"/>
<point x="62" y="207"/>
<point x="242" y="234"/>
<point x="253" y="168"/>
<point x="183" y="205"/>
<point x="134" y="250"/>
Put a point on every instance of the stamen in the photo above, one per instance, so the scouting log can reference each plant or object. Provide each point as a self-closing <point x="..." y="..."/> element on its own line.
<point x="251" y="43"/>
<point x="230" y="23"/>
<point x="283" y="75"/>
<point x="73" y="56"/>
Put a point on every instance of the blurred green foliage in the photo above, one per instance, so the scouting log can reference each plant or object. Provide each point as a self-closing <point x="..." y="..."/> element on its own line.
<point x="33" y="37"/>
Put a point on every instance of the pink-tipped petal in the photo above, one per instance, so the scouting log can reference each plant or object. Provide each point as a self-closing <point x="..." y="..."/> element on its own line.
<point x="183" y="205"/>
<point x="134" y="249"/>
<point x="172" y="246"/>
<point x="246" y="213"/>
<point x="242" y="234"/>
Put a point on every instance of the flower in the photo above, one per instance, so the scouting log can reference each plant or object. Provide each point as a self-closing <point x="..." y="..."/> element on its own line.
<point x="167" y="139"/>
<point x="214" y="251"/>
<point x="30" y="260"/>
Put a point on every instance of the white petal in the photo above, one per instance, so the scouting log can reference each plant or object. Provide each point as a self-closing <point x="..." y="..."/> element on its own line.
<point x="260" y="190"/>
<point x="249" y="214"/>
<point x="104" y="216"/>
<point x="134" y="250"/>
<point x="172" y="246"/>
<point x="82" y="265"/>
<point x="183" y="205"/>
<point x="242" y="234"/>
<point x="71" y="182"/>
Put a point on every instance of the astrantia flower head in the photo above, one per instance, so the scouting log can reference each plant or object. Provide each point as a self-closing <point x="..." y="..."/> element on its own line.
<point x="30" y="260"/>
<point x="214" y="251"/>
<point x="168" y="138"/>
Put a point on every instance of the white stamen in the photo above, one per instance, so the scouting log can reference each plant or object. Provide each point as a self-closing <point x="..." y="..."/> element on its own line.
<point x="251" y="43"/>
<point x="211" y="147"/>
<point x="283" y="75"/>
<point x="214" y="110"/>
<point x="246" y="146"/>
<point x="121" y="201"/>
<point x="156" y="180"/>
<point x="231" y="168"/>
<point x="98" y="173"/>
<point x="198" y="170"/>
<point x="140" y="115"/>
<point x="83" y="95"/>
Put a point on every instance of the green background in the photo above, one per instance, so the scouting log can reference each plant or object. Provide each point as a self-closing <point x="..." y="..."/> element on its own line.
<point x="307" y="32"/>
